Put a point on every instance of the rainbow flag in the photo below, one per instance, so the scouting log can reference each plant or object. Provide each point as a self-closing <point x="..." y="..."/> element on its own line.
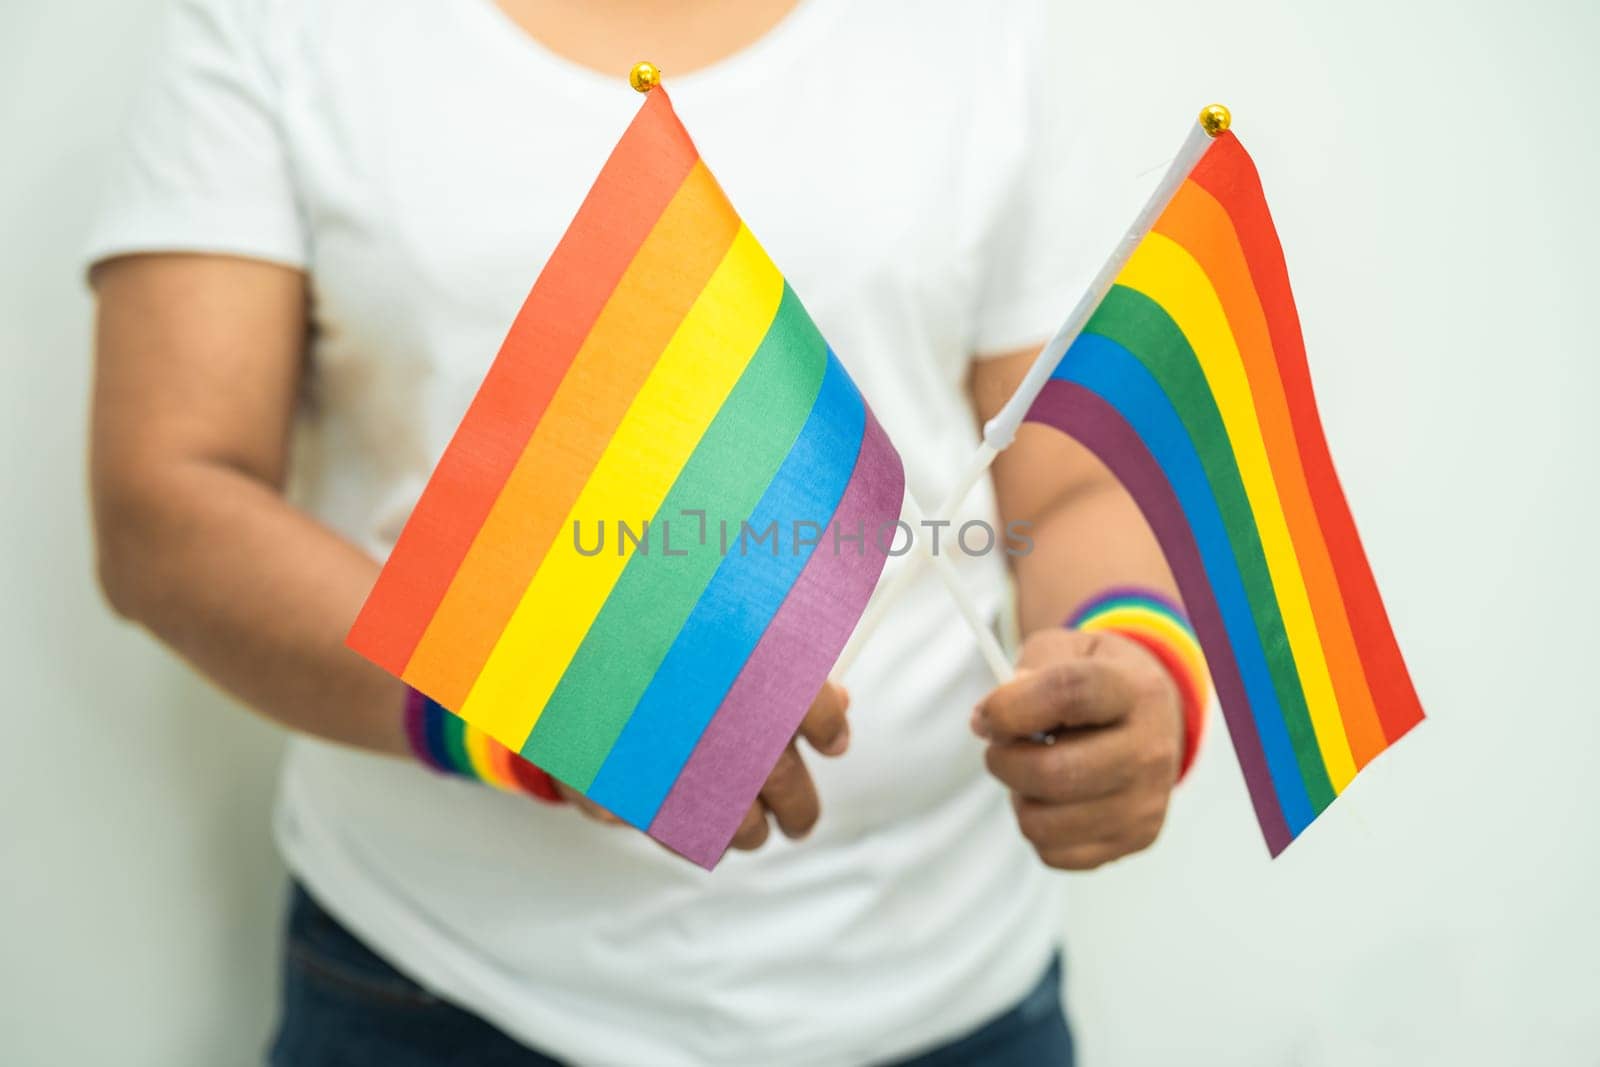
<point x="657" y="523"/>
<point x="1190" y="382"/>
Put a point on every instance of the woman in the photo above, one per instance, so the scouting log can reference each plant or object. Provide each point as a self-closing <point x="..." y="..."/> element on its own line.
<point x="325" y="216"/>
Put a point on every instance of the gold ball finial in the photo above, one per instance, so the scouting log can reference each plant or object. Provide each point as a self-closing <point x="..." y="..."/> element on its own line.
<point x="644" y="77"/>
<point x="1215" y="119"/>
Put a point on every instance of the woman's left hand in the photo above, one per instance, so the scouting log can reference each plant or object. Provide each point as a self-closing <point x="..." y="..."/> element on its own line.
<point x="1088" y="737"/>
<point x="789" y="797"/>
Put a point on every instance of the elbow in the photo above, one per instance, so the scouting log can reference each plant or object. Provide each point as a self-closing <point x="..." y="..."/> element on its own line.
<point x="122" y="555"/>
<point x="115" y="571"/>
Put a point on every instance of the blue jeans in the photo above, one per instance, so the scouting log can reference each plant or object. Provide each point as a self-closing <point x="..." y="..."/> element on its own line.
<point x="344" y="1006"/>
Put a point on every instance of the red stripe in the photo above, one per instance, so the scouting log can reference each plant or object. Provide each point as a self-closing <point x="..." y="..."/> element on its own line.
<point x="1227" y="173"/>
<point x="532" y="780"/>
<point x="644" y="171"/>
<point x="1189" y="689"/>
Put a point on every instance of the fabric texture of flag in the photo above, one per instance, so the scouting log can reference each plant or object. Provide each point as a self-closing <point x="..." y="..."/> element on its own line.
<point x="659" y="519"/>
<point x="1190" y="382"/>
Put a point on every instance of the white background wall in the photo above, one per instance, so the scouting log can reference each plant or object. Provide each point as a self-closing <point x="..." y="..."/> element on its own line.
<point x="1432" y="167"/>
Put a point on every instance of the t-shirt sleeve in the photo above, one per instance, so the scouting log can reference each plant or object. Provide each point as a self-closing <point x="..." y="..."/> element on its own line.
<point x="202" y="164"/>
<point x="1057" y="219"/>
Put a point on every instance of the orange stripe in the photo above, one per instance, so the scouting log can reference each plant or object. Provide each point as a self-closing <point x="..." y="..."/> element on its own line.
<point x="1198" y="222"/>
<point x="655" y="293"/>
<point x="500" y="762"/>
<point x="644" y="171"/>
<point x="1228" y="173"/>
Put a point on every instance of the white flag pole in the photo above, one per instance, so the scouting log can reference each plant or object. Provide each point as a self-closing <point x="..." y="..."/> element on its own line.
<point x="988" y="644"/>
<point x="891" y="591"/>
<point x="1000" y="431"/>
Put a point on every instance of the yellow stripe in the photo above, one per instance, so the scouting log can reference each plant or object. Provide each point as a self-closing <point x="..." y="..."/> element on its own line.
<point x="1158" y="625"/>
<point x="667" y="418"/>
<point x="477" y="745"/>
<point x="1169" y="275"/>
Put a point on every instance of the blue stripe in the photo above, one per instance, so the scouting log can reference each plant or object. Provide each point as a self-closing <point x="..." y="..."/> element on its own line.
<point x="735" y="609"/>
<point x="433" y="726"/>
<point x="1109" y="370"/>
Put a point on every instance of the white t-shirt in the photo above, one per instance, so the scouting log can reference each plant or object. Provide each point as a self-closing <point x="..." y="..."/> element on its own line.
<point x="419" y="159"/>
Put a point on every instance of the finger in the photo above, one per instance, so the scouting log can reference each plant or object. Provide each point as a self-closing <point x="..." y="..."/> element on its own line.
<point x="791" y="796"/>
<point x="825" y="725"/>
<point x="1080" y="857"/>
<point x="1075" y="767"/>
<point x="1082" y="691"/>
<point x="587" y="806"/>
<point x="1126" y="823"/>
<point x="752" y="833"/>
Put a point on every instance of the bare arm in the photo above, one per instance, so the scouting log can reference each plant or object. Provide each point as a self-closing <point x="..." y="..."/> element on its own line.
<point x="1100" y="791"/>
<point x="1088" y="534"/>
<point x="198" y="360"/>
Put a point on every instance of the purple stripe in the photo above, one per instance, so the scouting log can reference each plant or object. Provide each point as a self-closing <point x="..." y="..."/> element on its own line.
<point x="1098" y="426"/>
<point x="417" y="730"/>
<point x="768" y="700"/>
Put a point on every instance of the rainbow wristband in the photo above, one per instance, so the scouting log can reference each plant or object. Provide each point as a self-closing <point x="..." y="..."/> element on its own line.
<point x="450" y="745"/>
<point x="1160" y="625"/>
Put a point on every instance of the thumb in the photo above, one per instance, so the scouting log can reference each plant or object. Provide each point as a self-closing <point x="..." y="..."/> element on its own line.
<point x="585" y="805"/>
<point x="1071" y="690"/>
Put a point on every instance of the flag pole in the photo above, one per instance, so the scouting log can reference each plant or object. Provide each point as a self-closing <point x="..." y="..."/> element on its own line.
<point x="988" y="644"/>
<point x="1001" y="430"/>
<point x="892" y="590"/>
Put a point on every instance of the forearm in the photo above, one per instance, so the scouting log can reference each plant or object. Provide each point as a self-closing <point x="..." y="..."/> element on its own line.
<point x="1120" y="693"/>
<point x="1091" y="539"/>
<point x="252" y="592"/>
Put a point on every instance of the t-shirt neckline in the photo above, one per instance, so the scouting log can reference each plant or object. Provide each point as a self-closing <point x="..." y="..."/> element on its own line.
<point x="774" y="46"/>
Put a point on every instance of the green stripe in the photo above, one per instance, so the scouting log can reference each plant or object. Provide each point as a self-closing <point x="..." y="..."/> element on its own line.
<point x="1139" y="324"/>
<point x="454" y="729"/>
<point x="725" y="476"/>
